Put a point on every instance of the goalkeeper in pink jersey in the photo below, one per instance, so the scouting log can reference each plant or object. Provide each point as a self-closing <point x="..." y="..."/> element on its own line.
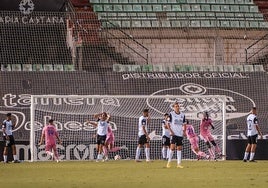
<point x="205" y="125"/>
<point x="194" y="140"/>
<point x="109" y="144"/>
<point x="50" y="134"/>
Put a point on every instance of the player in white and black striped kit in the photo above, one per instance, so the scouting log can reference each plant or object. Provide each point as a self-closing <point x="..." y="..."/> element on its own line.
<point x="253" y="131"/>
<point x="177" y="127"/>
<point x="143" y="136"/>
<point x="102" y="130"/>
<point x="165" y="137"/>
<point x="9" y="140"/>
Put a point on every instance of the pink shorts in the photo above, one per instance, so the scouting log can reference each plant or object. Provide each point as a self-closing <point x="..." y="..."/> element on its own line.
<point x="50" y="147"/>
<point x="207" y="137"/>
<point x="194" y="142"/>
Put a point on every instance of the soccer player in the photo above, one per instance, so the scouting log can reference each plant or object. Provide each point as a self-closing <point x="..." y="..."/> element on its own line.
<point x="143" y="136"/>
<point x="8" y="137"/>
<point x="194" y="140"/>
<point x="109" y="144"/>
<point x="102" y="130"/>
<point x="165" y="137"/>
<point x="176" y="126"/>
<point x="50" y="134"/>
<point x="252" y="133"/>
<point x="205" y="125"/>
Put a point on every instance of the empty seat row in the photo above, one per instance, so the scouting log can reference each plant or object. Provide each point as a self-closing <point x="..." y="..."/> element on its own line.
<point x="37" y="67"/>
<point x="185" y="23"/>
<point x="175" y="7"/>
<point x="174" y="1"/>
<point x="187" y="68"/>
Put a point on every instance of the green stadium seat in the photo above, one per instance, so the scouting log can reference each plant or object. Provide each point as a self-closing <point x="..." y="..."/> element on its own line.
<point x="258" y="68"/>
<point x="111" y="14"/>
<point x="146" y="23"/>
<point x="127" y="7"/>
<point x="136" y="23"/>
<point x="117" y="67"/>
<point x="188" y="68"/>
<point x="169" y="68"/>
<point x="165" y="23"/>
<point x="171" y="14"/>
<point x="123" y="1"/>
<point x="240" y="2"/>
<point x="38" y="67"/>
<point x="221" y="1"/>
<point x="171" y="1"/>
<point x="117" y="8"/>
<point x="94" y="1"/>
<point x="125" y="24"/>
<point x="5" y="67"/>
<point x="234" y="24"/>
<point x="208" y="68"/>
<point x="147" y="68"/>
<point x="244" y="24"/>
<point x="133" y="1"/>
<point x="211" y="1"/>
<point x="116" y="23"/>
<point x="176" y="8"/>
<point x="147" y="8"/>
<point x="113" y="1"/>
<point x="155" y="24"/>
<point x="248" y="2"/>
<point x="253" y="24"/>
<point x="205" y="23"/>
<point x="167" y="8"/>
<point x="136" y="68"/>
<point x="254" y="9"/>
<point x="27" y="67"/>
<point x="228" y="68"/>
<point x="103" y="1"/>
<point x="97" y="8"/>
<point x="196" y="7"/>
<point x="122" y="15"/>
<point x="195" y="23"/>
<point x="263" y="24"/>
<point x="165" y="1"/>
<point x="158" y="68"/>
<point x="225" y="23"/>
<point x="68" y="68"/>
<point x="198" y="68"/>
<point x="200" y="1"/>
<point x="215" y="7"/>
<point x="16" y="67"/>
<point x="108" y="8"/>
<point x="238" y="68"/>
<point x="248" y="68"/>
<point x="157" y="8"/>
<point x="181" y="1"/>
<point x="244" y="8"/>
<point x="191" y="1"/>
<point x="175" y="23"/>
<point x="205" y="8"/>
<point x="48" y="67"/>
<point x="218" y="68"/>
<point x="152" y="1"/>
<point x="225" y="8"/>
<point x="234" y="8"/>
<point x="137" y="8"/>
<point x="185" y="7"/>
<point x="58" y="67"/>
<point x="230" y="1"/>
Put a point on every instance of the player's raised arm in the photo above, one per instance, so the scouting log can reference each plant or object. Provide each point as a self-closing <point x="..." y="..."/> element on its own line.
<point x="92" y="123"/>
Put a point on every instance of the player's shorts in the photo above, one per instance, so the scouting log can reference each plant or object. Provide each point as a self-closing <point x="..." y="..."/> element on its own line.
<point x="101" y="139"/>
<point x="252" y="139"/>
<point x="194" y="142"/>
<point x="110" y="140"/>
<point x="10" y="142"/>
<point x="165" y="141"/>
<point x="177" y="140"/>
<point x="207" y="137"/>
<point x="143" y="140"/>
<point x="50" y="147"/>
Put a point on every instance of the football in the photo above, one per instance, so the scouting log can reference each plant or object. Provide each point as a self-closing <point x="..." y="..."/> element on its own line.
<point x="117" y="157"/>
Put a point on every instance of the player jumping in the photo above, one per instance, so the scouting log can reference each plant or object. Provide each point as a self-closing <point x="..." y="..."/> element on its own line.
<point x="50" y="134"/>
<point x="165" y="137"/>
<point x="194" y="140"/>
<point x="205" y="132"/>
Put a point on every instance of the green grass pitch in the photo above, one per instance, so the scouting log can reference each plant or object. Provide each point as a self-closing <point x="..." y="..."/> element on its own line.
<point x="128" y="174"/>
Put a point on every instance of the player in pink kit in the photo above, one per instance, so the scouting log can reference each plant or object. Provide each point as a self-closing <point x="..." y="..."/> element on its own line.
<point x="194" y="140"/>
<point x="205" y="125"/>
<point x="109" y="144"/>
<point x="50" y="134"/>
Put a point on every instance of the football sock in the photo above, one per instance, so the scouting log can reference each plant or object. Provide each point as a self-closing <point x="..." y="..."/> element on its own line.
<point x="211" y="153"/>
<point x="252" y="156"/>
<point x="179" y="157"/>
<point x="170" y="155"/>
<point x="147" y="154"/>
<point x="15" y="157"/>
<point x="164" y="152"/>
<point x="246" y="155"/>
<point x="5" y="158"/>
<point x="138" y="151"/>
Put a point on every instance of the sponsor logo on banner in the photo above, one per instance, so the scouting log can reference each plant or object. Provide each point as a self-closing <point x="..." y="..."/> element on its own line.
<point x="26" y="6"/>
<point x="193" y="107"/>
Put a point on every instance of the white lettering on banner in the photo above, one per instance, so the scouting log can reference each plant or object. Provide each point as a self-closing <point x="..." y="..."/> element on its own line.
<point x="183" y="75"/>
<point x="32" y="20"/>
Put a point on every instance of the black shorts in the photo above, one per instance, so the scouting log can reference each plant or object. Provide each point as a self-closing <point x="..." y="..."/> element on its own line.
<point x="252" y="139"/>
<point x="165" y="141"/>
<point x="10" y="142"/>
<point x="101" y="139"/>
<point x="177" y="140"/>
<point x="143" y="140"/>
